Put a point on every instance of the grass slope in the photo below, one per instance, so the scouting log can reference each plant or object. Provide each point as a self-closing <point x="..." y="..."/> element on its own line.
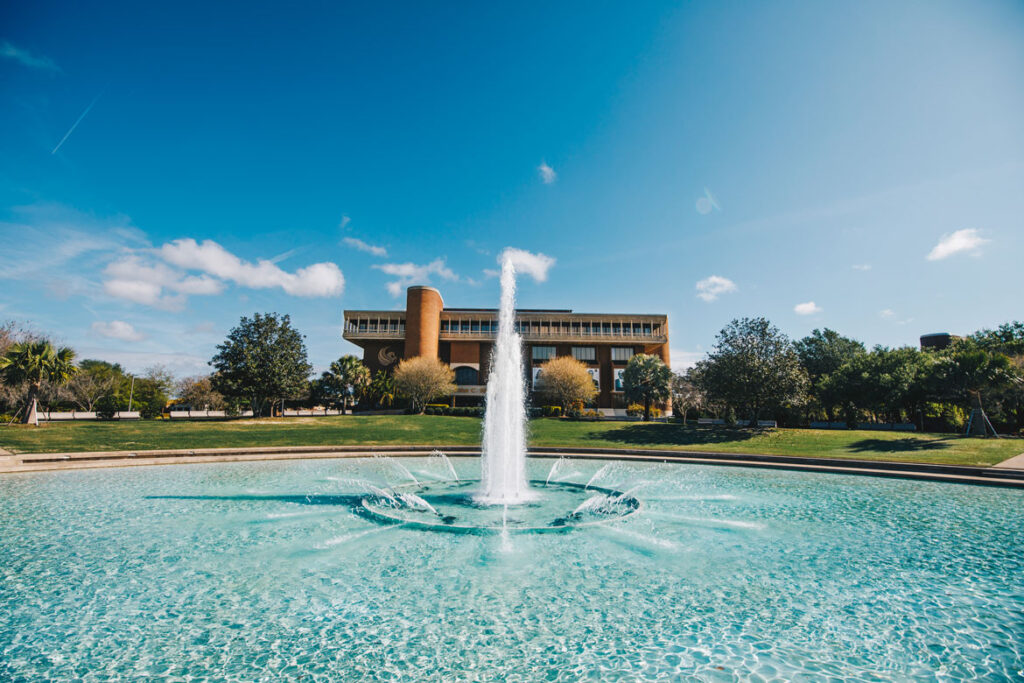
<point x="409" y="429"/>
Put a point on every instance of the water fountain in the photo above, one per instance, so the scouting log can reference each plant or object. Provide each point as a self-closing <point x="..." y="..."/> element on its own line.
<point x="502" y="501"/>
<point x="503" y="466"/>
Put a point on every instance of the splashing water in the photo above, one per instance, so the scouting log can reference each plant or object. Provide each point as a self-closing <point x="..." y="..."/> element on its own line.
<point x="414" y="501"/>
<point x="402" y="469"/>
<point x="448" y="463"/>
<point x="504" y="449"/>
<point x="554" y="470"/>
<point x="598" y="475"/>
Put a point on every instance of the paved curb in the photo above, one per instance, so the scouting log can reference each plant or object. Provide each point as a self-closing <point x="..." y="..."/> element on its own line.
<point x="1016" y="462"/>
<point x="990" y="476"/>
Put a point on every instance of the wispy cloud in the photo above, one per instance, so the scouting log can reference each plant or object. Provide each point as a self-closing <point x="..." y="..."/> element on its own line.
<point x="117" y="329"/>
<point x="547" y="174"/>
<point x="807" y="308"/>
<point x="527" y="263"/>
<point x="26" y="58"/>
<point x="317" y="280"/>
<point x="887" y="313"/>
<point x="710" y="288"/>
<point x="345" y="220"/>
<point x="967" y="240"/>
<point x="412" y="273"/>
<point x="360" y="245"/>
<point x="862" y="266"/>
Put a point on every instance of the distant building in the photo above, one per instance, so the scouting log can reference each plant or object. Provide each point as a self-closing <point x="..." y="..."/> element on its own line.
<point x="937" y="341"/>
<point x="463" y="337"/>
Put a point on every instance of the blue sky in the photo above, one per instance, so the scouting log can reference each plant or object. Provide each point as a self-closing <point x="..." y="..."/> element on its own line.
<point x="854" y="165"/>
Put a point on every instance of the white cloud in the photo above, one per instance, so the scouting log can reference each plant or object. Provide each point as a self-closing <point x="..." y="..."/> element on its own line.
<point x="807" y="308"/>
<point x="319" y="279"/>
<point x="412" y="273"/>
<point x="25" y="58"/>
<point x="684" y="360"/>
<point x="179" y="364"/>
<point x="134" y="279"/>
<point x="117" y="329"/>
<point x="887" y="313"/>
<point x="547" y="174"/>
<point x="862" y="266"/>
<point x="966" y="240"/>
<point x="710" y="288"/>
<point x="345" y="220"/>
<point x="527" y="263"/>
<point x="356" y="243"/>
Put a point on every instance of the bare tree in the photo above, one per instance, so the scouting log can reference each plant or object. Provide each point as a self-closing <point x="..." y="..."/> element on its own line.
<point x="423" y="379"/>
<point x="565" y="382"/>
<point x="87" y="388"/>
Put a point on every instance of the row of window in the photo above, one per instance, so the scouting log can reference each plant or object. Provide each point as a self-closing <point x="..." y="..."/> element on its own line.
<point x="580" y="329"/>
<point x="365" y="326"/>
<point x="586" y="354"/>
<point x="537" y="327"/>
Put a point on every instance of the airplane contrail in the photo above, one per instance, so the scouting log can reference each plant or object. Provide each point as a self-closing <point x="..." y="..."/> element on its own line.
<point x="78" y="121"/>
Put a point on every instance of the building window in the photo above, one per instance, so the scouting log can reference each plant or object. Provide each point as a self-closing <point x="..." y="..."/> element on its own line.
<point x="621" y="354"/>
<point x="543" y="352"/>
<point x="587" y="354"/>
<point x="466" y="376"/>
<point x="444" y="325"/>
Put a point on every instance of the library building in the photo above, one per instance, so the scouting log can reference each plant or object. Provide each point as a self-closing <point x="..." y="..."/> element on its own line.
<point x="463" y="337"/>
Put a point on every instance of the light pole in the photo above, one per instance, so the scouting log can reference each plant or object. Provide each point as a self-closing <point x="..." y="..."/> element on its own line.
<point x="131" y="394"/>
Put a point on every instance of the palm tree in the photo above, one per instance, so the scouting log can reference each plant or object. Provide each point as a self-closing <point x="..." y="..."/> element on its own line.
<point x="35" y="362"/>
<point x="350" y="376"/>
<point x="382" y="389"/>
<point x="647" y="379"/>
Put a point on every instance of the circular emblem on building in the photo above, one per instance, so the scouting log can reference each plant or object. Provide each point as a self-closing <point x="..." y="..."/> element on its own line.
<point x="385" y="356"/>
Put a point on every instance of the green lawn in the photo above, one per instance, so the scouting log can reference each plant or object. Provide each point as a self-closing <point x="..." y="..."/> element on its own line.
<point x="407" y="429"/>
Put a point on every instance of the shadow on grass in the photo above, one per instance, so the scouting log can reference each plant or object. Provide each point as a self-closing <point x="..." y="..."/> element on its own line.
<point x="897" y="445"/>
<point x="660" y="434"/>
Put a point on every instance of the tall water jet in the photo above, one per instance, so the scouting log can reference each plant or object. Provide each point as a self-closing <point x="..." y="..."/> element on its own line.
<point x="504" y="448"/>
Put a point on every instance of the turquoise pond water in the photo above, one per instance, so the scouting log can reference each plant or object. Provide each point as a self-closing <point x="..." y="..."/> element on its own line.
<point x="262" y="571"/>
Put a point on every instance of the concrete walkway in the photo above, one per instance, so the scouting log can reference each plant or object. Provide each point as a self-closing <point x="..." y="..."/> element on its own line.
<point x="1014" y="463"/>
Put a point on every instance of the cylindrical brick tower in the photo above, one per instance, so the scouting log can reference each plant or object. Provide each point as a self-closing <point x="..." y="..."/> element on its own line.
<point x="423" y="307"/>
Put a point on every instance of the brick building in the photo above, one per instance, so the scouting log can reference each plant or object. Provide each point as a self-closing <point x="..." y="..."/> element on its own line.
<point x="463" y="337"/>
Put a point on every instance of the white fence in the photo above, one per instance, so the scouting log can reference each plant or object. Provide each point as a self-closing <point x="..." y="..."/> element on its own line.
<point x="54" y="416"/>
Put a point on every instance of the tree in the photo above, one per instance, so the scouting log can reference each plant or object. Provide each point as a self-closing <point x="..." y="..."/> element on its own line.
<point x="152" y="391"/>
<point x="423" y="379"/>
<point x="347" y="379"/>
<point x="752" y="368"/>
<point x="565" y="381"/>
<point x="646" y="380"/>
<point x="382" y="390"/>
<point x="1008" y="338"/>
<point x="198" y="393"/>
<point x="822" y="353"/>
<point x="262" y="360"/>
<point x="967" y="372"/>
<point x="87" y="388"/>
<point x="33" y="363"/>
<point x="686" y="393"/>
